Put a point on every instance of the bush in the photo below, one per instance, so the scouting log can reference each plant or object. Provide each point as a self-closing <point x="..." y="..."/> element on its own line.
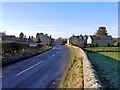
<point x="11" y="48"/>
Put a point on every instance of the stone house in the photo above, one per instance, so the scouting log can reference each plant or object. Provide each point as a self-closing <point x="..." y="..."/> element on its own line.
<point x="8" y="38"/>
<point x="77" y="40"/>
<point x="45" y="39"/>
<point x="100" y="40"/>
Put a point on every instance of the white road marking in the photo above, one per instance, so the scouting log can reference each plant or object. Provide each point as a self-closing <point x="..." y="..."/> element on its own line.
<point x="57" y="51"/>
<point x="54" y="82"/>
<point x="51" y="56"/>
<point x="29" y="68"/>
<point x="35" y="64"/>
<point x="45" y="52"/>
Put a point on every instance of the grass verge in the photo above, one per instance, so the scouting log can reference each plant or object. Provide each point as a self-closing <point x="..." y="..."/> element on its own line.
<point x="73" y="76"/>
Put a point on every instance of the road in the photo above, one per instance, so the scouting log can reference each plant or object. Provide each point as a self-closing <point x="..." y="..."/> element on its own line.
<point x="38" y="71"/>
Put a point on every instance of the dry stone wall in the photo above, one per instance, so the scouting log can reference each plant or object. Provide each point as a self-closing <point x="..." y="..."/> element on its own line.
<point x="91" y="80"/>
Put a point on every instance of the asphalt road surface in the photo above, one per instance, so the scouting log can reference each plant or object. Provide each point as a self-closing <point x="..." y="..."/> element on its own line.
<point x="38" y="71"/>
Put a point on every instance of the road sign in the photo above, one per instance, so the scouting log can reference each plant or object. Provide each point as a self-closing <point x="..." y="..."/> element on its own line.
<point x="32" y="45"/>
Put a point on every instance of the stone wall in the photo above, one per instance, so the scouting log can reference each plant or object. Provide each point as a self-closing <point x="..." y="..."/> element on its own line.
<point x="91" y="79"/>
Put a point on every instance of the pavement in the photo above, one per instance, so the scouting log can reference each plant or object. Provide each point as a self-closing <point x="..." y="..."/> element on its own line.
<point x="37" y="72"/>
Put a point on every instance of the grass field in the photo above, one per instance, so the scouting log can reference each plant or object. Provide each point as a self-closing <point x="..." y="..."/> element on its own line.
<point x="107" y="66"/>
<point x="114" y="55"/>
<point x="73" y="76"/>
<point x="102" y="49"/>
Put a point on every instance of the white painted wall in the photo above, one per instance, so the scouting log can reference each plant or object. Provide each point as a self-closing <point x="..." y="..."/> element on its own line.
<point x="89" y="40"/>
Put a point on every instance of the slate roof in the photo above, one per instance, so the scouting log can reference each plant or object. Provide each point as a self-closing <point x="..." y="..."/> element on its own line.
<point x="109" y="37"/>
<point x="9" y="38"/>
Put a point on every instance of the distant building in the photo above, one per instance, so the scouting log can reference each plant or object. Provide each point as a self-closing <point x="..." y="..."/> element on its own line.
<point x="73" y="39"/>
<point x="85" y="38"/>
<point x="31" y="39"/>
<point x="77" y="40"/>
<point x="116" y="41"/>
<point x="0" y="36"/>
<point x="23" y="40"/>
<point x="45" y="39"/>
<point x="100" y="40"/>
<point x="7" y="38"/>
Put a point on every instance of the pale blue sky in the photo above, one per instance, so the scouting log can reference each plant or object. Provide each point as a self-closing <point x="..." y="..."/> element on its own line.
<point x="59" y="19"/>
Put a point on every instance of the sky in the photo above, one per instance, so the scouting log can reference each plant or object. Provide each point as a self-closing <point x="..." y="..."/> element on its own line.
<point x="59" y="19"/>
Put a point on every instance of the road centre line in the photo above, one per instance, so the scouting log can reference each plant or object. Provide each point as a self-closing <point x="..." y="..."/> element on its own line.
<point x="54" y="54"/>
<point x="51" y="56"/>
<point x="29" y="68"/>
<point x="57" y="51"/>
<point x="37" y="63"/>
<point x="45" y="52"/>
